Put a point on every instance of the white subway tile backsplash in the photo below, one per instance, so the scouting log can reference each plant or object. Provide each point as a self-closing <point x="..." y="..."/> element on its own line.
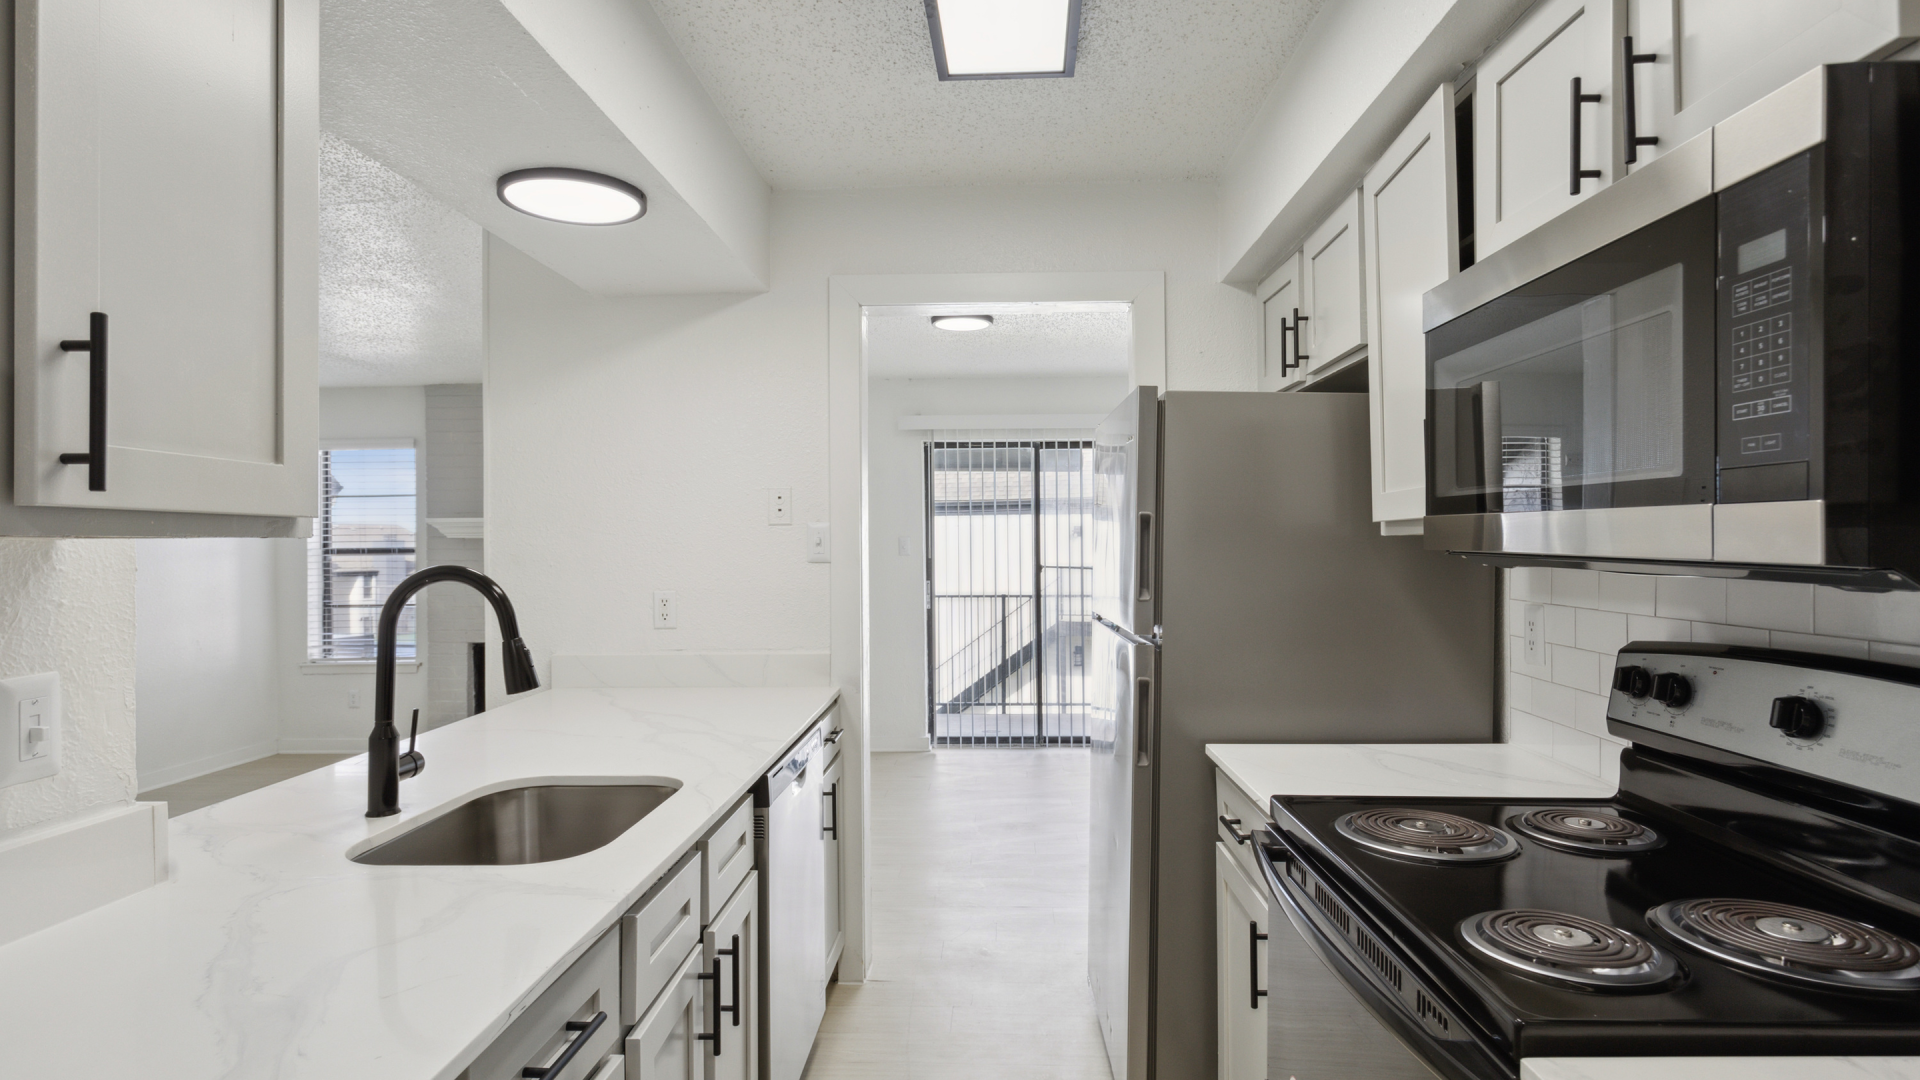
<point x="1519" y="691"/>
<point x="1601" y="631"/>
<point x="1517" y="660"/>
<point x="1533" y="584"/>
<point x="1632" y="594"/>
<point x="1526" y="729"/>
<point x="1820" y="643"/>
<point x="1576" y="748"/>
<point x="1555" y="702"/>
<point x="1891" y="617"/>
<point x="1650" y="628"/>
<point x="1698" y="599"/>
<point x="1770" y="605"/>
<point x="1590" y="714"/>
<point x="1576" y="588"/>
<point x="1722" y="634"/>
<point x="1563" y="625"/>
<point x="1576" y="668"/>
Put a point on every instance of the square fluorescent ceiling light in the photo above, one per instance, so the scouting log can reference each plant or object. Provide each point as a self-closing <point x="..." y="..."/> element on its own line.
<point x="1004" y="39"/>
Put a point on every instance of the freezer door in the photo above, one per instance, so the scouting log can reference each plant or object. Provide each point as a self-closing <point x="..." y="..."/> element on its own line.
<point x="1122" y="732"/>
<point x="1126" y="472"/>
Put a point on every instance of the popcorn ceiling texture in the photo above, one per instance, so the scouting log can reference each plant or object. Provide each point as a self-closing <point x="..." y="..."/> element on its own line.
<point x="67" y="606"/>
<point x="826" y="94"/>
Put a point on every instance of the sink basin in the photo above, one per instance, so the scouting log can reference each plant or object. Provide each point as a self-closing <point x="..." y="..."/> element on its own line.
<point x="532" y="824"/>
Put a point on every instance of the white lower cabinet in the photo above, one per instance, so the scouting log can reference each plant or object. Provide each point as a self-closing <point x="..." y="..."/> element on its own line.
<point x="732" y="941"/>
<point x="832" y="785"/>
<point x="670" y="1041"/>
<point x="1240" y="932"/>
<point x="569" y="1028"/>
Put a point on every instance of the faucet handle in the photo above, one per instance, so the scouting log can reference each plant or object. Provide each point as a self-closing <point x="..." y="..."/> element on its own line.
<point x="412" y="763"/>
<point x="413" y="736"/>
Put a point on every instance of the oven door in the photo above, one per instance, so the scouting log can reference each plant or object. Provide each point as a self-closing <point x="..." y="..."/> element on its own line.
<point x="1341" y="1005"/>
<point x="1590" y="387"/>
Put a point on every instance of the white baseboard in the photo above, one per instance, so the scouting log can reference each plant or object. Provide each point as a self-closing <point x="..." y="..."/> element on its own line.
<point x="352" y="745"/>
<point x="188" y="770"/>
<point x="51" y="872"/>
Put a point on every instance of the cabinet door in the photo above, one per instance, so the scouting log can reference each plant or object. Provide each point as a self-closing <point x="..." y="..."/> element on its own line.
<point x="1411" y="233"/>
<point x="1240" y="928"/>
<point x="666" y="1043"/>
<point x="831" y="785"/>
<point x="1523" y="117"/>
<point x="1280" y="302"/>
<point x="733" y="939"/>
<point x="1712" y="58"/>
<point x="167" y="171"/>
<point x="1330" y="266"/>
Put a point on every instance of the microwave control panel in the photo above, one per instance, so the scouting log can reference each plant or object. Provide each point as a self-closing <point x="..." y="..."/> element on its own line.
<point x="1766" y="312"/>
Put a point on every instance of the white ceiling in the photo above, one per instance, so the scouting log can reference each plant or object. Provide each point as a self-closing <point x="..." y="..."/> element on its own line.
<point x="906" y="344"/>
<point x="400" y="284"/>
<point x="832" y="94"/>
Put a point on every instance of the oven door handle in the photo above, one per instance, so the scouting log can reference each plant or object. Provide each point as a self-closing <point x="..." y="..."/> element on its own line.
<point x="1467" y="1059"/>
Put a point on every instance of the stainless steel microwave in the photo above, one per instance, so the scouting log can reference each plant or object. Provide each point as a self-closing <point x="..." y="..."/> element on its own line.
<point x="1709" y="367"/>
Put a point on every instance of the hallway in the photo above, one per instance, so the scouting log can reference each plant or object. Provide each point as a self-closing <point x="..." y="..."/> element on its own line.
<point x="979" y="869"/>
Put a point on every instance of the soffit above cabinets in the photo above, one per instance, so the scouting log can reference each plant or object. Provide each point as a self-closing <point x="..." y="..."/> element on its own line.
<point x="832" y="95"/>
<point x="452" y="93"/>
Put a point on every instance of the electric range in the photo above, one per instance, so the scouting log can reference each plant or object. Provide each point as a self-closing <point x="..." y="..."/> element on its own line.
<point x="1753" y="888"/>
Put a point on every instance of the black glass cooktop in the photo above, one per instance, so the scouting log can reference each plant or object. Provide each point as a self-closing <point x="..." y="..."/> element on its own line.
<point x="1606" y="866"/>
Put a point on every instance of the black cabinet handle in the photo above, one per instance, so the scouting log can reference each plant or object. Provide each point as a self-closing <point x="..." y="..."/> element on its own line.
<point x="834" y="736"/>
<point x="1254" y="938"/>
<point x="714" y="1035"/>
<point x="95" y="346"/>
<point x="1238" y="836"/>
<point x="1635" y="140"/>
<point x="1575" y="173"/>
<point x="735" y="1007"/>
<point x="833" y="823"/>
<point x="1287" y="327"/>
<point x="586" y="1028"/>
<point x="1298" y="353"/>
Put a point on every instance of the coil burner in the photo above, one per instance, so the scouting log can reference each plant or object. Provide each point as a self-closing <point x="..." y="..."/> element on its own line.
<point x="1793" y="943"/>
<point x="1427" y="835"/>
<point x="1588" y="832"/>
<point x="1556" y="947"/>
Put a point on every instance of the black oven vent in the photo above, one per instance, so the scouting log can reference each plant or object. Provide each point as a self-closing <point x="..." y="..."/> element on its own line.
<point x="1431" y="1013"/>
<point x="1378" y="957"/>
<point x="1335" y="910"/>
<point x="1375" y="953"/>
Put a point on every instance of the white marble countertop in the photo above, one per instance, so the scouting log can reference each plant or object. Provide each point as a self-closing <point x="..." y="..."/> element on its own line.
<point x="1431" y="770"/>
<point x="269" y="954"/>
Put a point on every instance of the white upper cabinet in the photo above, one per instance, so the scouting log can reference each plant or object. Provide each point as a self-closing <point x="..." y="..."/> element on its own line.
<point x="1704" y="60"/>
<point x="1538" y="150"/>
<point x="1279" y="305"/>
<point x="1411" y="231"/>
<point x="167" y="180"/>
<point x="1330" y="273"/>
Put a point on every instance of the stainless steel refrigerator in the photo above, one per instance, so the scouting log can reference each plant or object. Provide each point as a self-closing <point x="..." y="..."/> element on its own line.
<point x="1242" y="593"/>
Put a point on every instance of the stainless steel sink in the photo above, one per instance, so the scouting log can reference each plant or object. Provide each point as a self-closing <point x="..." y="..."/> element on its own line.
<point x="537" y="823"/>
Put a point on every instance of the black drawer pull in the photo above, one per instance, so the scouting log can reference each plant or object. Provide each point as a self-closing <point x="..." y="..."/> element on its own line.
<point x="1238" y="836"/>
<point x="714" y="1035"/>
<point x="1628" y="101"/>
<point x="1254" y="938"/>
<point x="735" y="1007"/>
<point x="1575" y="173"/>
<point x="586" y="1028"/>
<point x="95" y="346"/>
<point x="833" y="823"/>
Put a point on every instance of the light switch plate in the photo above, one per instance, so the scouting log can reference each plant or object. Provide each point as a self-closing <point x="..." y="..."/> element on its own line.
<point x="818" y="549"/>
<point x="30" y="712"/>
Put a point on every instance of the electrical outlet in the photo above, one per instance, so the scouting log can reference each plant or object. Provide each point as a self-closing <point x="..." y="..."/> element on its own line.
<point x="779" y="506"/>
<point x="1533" y="619"/>
<point x="818" y="549"/>
<point x="663" y="611"/>
<point x="30" y="705"/>
<point x="353" y="699"/>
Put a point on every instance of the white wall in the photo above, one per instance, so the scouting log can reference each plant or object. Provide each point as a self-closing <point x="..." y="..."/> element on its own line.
<point x="630" y="440"/>
<point x="68" y="606"/>
<point x="209" y="692"/>
<point x="896" y="509"/>
<point x="1560" y="706"/>
<point x="314" y="713"/>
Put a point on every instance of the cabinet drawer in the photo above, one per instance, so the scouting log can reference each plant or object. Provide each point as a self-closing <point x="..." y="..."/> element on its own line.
<point x="656" y="934"/>
<point x="671" y="1041"/>
<point x="728" y="851"/>
<point x="542" y="1034"/>
<point x="832" y="736"/>
<point x="1232" y="803"/>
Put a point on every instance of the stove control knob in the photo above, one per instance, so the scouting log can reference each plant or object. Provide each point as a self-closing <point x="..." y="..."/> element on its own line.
<point x="1671" y="690"/>
<point x="1798" y="717"/>
<point x="1634" y="681"/>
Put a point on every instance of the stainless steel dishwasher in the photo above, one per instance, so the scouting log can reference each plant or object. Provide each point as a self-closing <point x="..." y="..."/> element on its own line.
<point x="793" y="898"/>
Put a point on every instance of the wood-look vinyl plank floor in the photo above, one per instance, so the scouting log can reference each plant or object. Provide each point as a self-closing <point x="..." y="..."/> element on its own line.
<point x="203" y="791"/>
<point x="979" y="869"/>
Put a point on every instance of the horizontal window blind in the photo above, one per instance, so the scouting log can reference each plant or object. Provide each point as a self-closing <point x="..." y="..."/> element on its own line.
<point x="363" y="545"/>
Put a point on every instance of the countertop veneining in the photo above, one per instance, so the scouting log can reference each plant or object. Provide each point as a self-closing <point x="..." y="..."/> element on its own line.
<point x="269" y="954"/>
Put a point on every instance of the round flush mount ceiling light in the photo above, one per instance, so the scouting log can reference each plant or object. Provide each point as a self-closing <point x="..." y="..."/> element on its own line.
<point x="574" y="196"/>
<point x="963" y="322"/>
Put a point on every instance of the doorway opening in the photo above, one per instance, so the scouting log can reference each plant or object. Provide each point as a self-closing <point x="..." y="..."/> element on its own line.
<point x="1008" y="590"/>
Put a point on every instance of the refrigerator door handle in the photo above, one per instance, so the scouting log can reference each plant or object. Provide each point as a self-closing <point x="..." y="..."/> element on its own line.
<point x="1143" y="721"/>
<point x="1143" y="569"/>
<point x="1125" y="634"/>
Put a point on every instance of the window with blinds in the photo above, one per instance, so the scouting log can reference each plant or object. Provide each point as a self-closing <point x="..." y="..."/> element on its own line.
<point x="363" y="545"/>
